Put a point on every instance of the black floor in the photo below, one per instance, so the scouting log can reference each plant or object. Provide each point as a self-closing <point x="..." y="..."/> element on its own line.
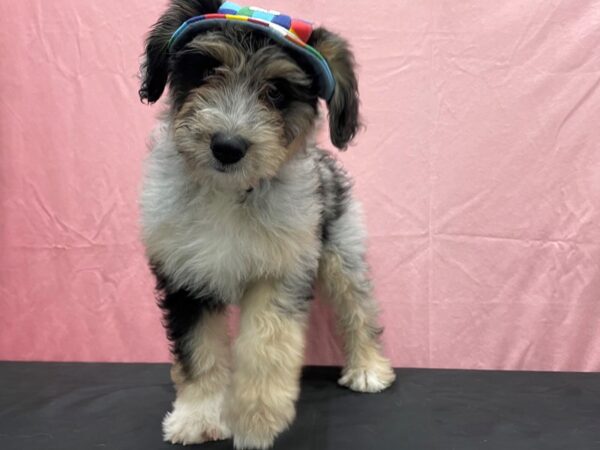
<point x="120" y="406"/>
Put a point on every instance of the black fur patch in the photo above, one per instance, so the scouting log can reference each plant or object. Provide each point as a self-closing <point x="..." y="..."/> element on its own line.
<point x="155" y="69"/>
<point x="182" y="310"/>
<point x="335" y="191"/>
<point x="344" y="120"/>
<point x="302" y="292"/>
<point x="287" y="92"/>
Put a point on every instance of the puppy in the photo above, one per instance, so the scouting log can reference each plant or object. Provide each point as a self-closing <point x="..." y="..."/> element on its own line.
<point x="239" y="207"/>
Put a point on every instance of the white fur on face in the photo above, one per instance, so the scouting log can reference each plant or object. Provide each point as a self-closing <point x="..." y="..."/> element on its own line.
<point x="236" y="111"/>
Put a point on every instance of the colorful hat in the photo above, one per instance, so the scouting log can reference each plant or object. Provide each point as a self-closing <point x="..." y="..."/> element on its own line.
<point x="292" y="33"/>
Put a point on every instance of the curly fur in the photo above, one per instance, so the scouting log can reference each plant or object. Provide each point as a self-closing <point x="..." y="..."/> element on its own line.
<point x="258" y="232"/>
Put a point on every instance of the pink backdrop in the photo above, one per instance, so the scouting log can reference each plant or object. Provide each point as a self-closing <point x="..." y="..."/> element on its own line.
<point x="479" y="171"/>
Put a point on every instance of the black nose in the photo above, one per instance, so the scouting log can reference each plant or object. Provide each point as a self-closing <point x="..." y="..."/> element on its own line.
<point x="228" y="149"/>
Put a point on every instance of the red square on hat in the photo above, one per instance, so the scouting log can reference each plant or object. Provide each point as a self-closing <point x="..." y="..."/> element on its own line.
<point x="302" y="29"/>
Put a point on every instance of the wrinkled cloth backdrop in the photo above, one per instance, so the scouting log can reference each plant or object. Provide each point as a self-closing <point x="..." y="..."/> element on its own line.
<point x="479" y="170"/>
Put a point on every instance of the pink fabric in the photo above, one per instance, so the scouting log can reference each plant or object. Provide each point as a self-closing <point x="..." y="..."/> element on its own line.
<point x="479" y="170"/>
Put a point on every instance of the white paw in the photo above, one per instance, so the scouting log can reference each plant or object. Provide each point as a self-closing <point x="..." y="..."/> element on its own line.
<point x="195" y="423"/>
<point x="256" y="427"/>
<point x="368" y="379"/>
<point x="252" y="443"/>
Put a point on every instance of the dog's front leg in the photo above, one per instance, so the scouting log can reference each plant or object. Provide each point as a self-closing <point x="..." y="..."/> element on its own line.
<point x="200" y="373"/>
<point x="268" y="360"/>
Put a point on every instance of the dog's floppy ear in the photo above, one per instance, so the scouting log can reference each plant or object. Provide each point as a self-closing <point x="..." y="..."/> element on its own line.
<point x="155" y="67"/>
<point x="344" y="120"/>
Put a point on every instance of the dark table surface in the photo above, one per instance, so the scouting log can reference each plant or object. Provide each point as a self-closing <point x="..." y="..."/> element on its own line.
<point x="80" y="406"/>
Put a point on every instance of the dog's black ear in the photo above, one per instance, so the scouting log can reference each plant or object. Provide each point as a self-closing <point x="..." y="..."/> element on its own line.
<point x="155" y="67"/>
<point x="344" y="120"/>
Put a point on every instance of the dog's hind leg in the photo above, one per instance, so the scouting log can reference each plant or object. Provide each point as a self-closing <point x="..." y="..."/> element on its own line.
<point x="344" y="279"/>
<point x="197" y="329"/>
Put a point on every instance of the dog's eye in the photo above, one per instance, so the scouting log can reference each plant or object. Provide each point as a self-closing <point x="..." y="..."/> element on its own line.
<point x="202" y="72"/>
<point x="275" y="95"/>
<point x="207" y="72"/>
<point x="195" y="68"/>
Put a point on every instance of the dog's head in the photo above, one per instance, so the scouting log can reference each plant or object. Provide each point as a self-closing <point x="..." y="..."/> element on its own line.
<point x="241" y="104"/>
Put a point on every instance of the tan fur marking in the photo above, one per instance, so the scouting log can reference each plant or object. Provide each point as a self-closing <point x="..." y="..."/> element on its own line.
<point x="268" y="358"/>
<point x="366" y="370"/>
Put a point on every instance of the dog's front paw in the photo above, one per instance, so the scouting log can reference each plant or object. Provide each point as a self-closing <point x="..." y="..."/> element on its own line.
<point x="258" y="426"/>
<point x="191" y="423"/>
<point x="371" y="378"/>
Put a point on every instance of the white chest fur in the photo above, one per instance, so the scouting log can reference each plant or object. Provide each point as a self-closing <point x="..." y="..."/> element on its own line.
<point x="218" y="240"/>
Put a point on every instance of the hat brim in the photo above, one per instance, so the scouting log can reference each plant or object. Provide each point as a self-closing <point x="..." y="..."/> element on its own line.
<point x="307" y="55"/>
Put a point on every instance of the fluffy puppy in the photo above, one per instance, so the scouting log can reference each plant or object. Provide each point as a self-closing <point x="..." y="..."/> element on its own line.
<point x="240" y="207"/>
